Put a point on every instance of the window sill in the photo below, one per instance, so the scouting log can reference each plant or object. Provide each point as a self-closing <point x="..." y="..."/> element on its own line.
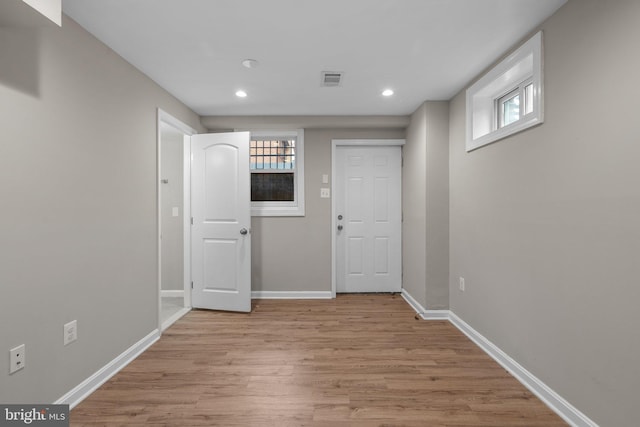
<point x="274" y="211"/>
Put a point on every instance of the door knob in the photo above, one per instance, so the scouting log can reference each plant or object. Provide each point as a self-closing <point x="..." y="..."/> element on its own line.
<point x="243" y="231"/>
<point x="340" y="227"/>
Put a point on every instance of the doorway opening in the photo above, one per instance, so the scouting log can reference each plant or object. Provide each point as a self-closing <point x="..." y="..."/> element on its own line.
<point x="173" y="210"/>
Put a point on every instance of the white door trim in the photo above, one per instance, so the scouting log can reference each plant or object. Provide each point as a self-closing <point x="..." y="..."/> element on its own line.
<point x="168" y="119"/>
<point x="335" y="143"/>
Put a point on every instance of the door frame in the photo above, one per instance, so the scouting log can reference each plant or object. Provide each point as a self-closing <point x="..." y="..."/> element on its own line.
<point x="165" y="118"/>
<point x="335" y="143"/>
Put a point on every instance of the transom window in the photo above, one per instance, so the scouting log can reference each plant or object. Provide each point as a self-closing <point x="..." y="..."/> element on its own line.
<point x="509" y="98"/>
<point x="273" y="154"/>
<point x="277" y="173"/>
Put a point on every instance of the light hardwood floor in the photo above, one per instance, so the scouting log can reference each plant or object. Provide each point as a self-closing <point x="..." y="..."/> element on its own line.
<point x="358" y="360"/>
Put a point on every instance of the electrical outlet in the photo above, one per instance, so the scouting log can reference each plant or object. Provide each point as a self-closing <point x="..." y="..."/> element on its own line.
<point x="461" y="284"/>
<point x="17" y="358"/>
<point x="70" y="332"/>
<point x="325" y="193"/>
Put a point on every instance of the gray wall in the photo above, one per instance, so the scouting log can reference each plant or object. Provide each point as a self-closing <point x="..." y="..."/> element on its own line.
<point x="414" y="207"/>
<point x="545" y="225"/>
<point x="425" y="230"/>
<point x="78" y="192"/>
<point x="437" y="213"/>
<point x="294" y="253"/>
<point x="172" y="194"/>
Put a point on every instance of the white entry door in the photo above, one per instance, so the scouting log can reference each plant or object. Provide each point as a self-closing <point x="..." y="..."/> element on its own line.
<point x="368" y="209"/>
<point x="221" y="211"/>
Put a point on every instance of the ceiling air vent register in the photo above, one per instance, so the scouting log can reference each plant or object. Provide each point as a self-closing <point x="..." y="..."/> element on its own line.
<point x="332" y="78"/>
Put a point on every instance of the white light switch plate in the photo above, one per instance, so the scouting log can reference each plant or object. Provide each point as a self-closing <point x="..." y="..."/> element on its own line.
<point x="175" y="211"/>
<point x="325" y="179"/>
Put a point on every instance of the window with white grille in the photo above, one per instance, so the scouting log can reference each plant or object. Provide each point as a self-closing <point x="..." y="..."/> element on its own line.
<point x="277" y="173"/>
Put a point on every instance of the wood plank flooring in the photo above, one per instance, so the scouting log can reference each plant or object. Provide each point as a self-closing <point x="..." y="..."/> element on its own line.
<point x="358" y="360"/>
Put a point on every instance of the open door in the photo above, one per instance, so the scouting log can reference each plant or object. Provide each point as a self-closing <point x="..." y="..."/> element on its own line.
<point x="221" y="215"/>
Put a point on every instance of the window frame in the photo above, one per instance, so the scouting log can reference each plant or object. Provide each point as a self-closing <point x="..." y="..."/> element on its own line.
<point x="515" y="73"/>
<point x="284" y="208"/>
<point x="521" y="92"/>
<point x="500" y="103"/>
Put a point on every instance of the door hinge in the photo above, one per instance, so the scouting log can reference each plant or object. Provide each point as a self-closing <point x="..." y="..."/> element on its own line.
<point x="191" y="220"/>
<point x="191" y="285"/>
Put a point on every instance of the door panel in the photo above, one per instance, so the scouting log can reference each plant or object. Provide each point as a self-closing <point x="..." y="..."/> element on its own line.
<point x="356" y="256"/>
<point x="368" y="197"/>
<point x="219" y="252"/>
<point x="381" y="200"/>
<point x="381" y="255"/>
<point x="220" y="207"/>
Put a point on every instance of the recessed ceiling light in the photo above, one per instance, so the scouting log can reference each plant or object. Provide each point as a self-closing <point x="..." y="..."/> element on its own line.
<point x="241" y="94"/>
<point x="387" y="92"/>
<point x="250" y="63"/>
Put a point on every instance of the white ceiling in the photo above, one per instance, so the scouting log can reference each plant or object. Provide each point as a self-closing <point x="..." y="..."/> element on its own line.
<point x="422" y="49"/>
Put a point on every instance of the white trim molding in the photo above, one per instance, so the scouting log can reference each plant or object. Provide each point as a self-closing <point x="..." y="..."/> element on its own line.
<point x="173" y="293"/>
<point x="435" y="315"/>
<point x="91" y="384"/>
<point x="164" y="118"/>
<point x="291" y="295"/>
<point x="417" y="307"/>
<point x="423" y="312"/>
<point x="167" y="118"/>
<point x="174" y="318"/>
<point x="553" y="400"/>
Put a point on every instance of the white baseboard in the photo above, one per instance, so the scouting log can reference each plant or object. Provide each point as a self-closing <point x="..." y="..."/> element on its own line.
<point x="173" y="319"/>
<point x="291" y="295"/>
<point x="413" y="303"/>
<point x="436" y="315"/>
<point x="423" y="312"/>
<point x="553" y="400"/>
<point x="178" y="293"/>
<point x="91" y="384"/>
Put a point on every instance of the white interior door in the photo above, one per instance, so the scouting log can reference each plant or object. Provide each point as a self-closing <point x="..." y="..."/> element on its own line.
<point x="221" y="211"/>
<point x="368" y="191"/>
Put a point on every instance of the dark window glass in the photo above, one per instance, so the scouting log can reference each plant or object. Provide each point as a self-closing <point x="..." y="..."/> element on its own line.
<point x="272" y="187"/>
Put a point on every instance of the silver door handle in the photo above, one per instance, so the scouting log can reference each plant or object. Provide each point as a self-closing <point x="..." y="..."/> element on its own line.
<point x="243" y="231"/>
<point x="340" y="227"/>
